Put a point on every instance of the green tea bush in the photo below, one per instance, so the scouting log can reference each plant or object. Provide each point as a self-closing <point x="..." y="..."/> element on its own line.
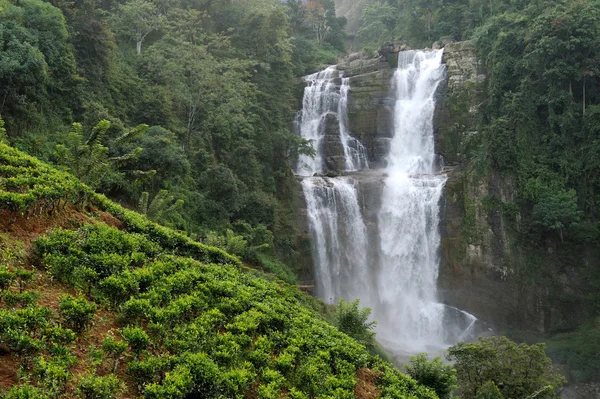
<point x="76" y="312"/>
<point x="149" y="370"/>
<point x="60" y="335"/>
<point x="32" y="187"/>
<point x="137" y="338"/>
<point x="26" y="392"/>
<point x="113" y="349"/>
<point x="50" y="374"/>
<point x="24" y="277"/>
<point x="6" y="277"/>
<point x="99" y="387"/>
<point x="23" y="299"/>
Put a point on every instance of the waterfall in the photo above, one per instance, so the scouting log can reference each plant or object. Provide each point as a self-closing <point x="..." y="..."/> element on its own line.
<point x="409" y="215"/>
<point x="392" y="266"/>
<point x="339" y="237"/>
<point x="326" y="94"/>
<point x="355" y="153"/>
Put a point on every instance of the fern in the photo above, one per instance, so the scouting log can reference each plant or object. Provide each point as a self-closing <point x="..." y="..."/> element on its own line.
<point x="133" y="134"/>
<point x="163" y="206"/>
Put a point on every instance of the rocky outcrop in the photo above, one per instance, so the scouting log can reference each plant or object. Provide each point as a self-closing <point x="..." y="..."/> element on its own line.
<point x="331" y="145"/>
<point x="486" y="269"/>
<point x="370" y="102"/>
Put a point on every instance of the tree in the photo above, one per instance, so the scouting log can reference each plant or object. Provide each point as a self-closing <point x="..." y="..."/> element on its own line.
<point x="433" y="374"/>
<point x="136" y="19"/>
<point x="353" y="321"/>
<point x="37" y="67"/>
<point x="378" y="24"/>
<point x="556" y="210"/>
<point x="212" y="94"/>
<point x="489" y="390"/>
<point x="518" y="370"/>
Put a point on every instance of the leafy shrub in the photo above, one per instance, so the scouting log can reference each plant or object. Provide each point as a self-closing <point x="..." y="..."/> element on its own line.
<point x="60" y="336"/>
<point x="433" y="374"/>
<point x="95" y="387"/>
<point x="25" y="392"/>
<point x="6" y="277"/>
<point x="489" y="390"/>
<point x="76" y="312"/>
<point x="137" y="338"/>
<point x="47" y="188"/>
<point x="113" y="349"/>
<point x="24" y="299"/>
<point x="149" y="370"/>
<point x="352" y="320"/>
<point x="521" y="369"/>
<point x="51" y="375"/>
<point x="24" y="277"/>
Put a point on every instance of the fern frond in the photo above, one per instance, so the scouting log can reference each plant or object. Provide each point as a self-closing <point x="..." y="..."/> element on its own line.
<point x="132" y="134"/>
<point x="98" y="132"/>
<point x="143" y="203"/>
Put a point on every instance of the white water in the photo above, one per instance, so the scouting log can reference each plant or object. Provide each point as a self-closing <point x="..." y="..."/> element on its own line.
<point x="335" y="218"/>
<point x="409" y="215"/>
<point x="327" y="93"/>
<point x="354" y="152"/>
<point x="398" y="279"/>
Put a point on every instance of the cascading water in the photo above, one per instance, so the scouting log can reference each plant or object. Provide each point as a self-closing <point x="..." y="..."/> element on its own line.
<point x="335" y="217"/>
<point x="394" y="270"/>
<point x="355" y="153"/>
<point x="409" y="314"/>
<point x="326" y="94"/>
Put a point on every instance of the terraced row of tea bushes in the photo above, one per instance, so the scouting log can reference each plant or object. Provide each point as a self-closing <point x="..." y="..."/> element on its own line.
<point x="29" y="186"/>
<point x="211" y="331"/>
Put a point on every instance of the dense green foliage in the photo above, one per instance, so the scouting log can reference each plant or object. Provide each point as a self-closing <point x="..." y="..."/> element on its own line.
<point x="349" y="318"/>
<point x="30" y="186"/>
<point x="214" y="80"/>
<point x="517" y="370"/>
<point x="433" y="374"/>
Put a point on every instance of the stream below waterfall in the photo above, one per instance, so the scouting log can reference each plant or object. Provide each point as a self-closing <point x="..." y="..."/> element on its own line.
<point x="384" y="251"/>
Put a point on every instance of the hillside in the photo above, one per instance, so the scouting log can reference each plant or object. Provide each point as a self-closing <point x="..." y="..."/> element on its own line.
<point x="99" y="302"/>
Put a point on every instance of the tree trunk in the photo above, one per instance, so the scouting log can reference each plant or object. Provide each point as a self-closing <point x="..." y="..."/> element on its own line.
<point x="138" y="47"/>
<point x="583" y="95"/>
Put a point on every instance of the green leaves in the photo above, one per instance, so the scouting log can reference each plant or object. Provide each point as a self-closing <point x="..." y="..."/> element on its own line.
<point x="352" y="320"/>
<point x="433" y="374"/>
<point x="520" y="369"/>
<point x="89" y="159"/>
<point x="76" y="312"/>
<point x="30" y="186"/>
<point x="96" y="387"/>
<point x="136" y="19"/>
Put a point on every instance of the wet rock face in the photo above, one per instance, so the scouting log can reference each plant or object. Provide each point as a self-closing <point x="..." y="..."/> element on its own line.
<point x="331" y="145"/>
<point x="370" y="111"/>
<point x="462" y="65"/>
<point x="483" y="260"/>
